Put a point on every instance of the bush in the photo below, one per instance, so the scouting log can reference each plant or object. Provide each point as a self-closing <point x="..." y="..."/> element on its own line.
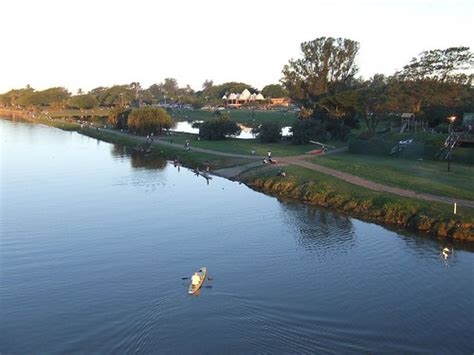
<point x="118" y="117"/>
<point x="146" y="120"/>
<point x="307" y="129"/>
<point x="268" y="132"/>
<point x="218" y="128"/>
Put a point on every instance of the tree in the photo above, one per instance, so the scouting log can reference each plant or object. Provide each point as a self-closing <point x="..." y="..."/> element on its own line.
<point x="452" y="64"/>
<point x="147" y="120"/>
<point x="320" y="126"/>
<point x="375" y="102"/>
<point x="86" y="101"/>
<point x="274" y="90"/>
<point x="268" y="132"/>
<point x="218" y="128"/>
<point x="326" y="67"/>
<point x="117" y="95"/>
<point x="207" y="85"/>
<point x="53" y="97"/>
<point x="118" y="117"/>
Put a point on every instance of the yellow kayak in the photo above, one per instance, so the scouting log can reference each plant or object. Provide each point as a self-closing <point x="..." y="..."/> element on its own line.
<point x="202" y="275"/>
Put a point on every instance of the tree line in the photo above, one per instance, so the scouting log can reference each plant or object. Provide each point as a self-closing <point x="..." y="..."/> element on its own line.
<point x="323" y="82"/>
<point x="166" y="92"/>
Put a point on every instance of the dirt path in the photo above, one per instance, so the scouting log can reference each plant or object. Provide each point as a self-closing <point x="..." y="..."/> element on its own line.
<point x="299" y="161"/>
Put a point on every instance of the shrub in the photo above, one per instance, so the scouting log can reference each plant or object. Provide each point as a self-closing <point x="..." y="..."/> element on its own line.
<point x="306" y="129"/>
<point x="218" y="128"/>
<point x="118" y="117"/>
<point x="268" y="132"/>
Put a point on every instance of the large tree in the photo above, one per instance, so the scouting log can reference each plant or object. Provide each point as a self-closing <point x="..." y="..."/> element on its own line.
<point x="274" y="90"/>
<point x="146" y="120"/>
<point x="326" y="67"/>
<point x="452" y="64"/>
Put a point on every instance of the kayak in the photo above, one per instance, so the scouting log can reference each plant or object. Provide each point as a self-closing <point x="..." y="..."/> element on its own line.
<point x="202" y="273"/>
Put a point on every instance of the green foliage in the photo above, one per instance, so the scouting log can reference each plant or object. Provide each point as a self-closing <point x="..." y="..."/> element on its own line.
<point x="327" y="66"/>
<point x="443" y="65"/>
<point x="274" y="90"/>
<point x="118" y="117"/>
<point x="85" y="101"/>
<point x="320" y="126"/>
<point x="146" y="120"/>
<point x="268" y="132"/>
<point x="53" y="97"/>
<point x="308" y="129"/>
<point x="118" y="95"/>
<point x="218" y="128"/>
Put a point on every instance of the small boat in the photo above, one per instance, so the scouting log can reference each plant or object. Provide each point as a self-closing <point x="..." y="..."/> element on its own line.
<point x="202" y="275"/>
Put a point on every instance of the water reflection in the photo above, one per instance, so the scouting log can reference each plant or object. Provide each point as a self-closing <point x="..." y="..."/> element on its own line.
<point x="319" y="230"/>
<point x="139" y="159"/>
<point x="246" y="130"/>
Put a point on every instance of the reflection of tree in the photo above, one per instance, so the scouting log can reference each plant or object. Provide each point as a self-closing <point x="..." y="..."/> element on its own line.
<point x="141" y="160"/>
<point x="319" y="230"/>
<point x="119" y="151"/>
<point x="138" y="159"/>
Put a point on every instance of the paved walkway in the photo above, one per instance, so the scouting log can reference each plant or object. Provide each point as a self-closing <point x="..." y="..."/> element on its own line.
<point x="300" y="160"/>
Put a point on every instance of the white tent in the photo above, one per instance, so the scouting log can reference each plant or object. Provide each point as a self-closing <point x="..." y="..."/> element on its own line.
<point x="260" y="97"/>
<point x="245" y="95"/>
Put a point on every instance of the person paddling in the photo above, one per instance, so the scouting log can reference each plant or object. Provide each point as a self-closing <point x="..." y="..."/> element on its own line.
<point x="195" y="279"/>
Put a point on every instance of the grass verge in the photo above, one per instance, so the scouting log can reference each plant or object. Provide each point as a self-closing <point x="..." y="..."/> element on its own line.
<point x="423" y="176"/>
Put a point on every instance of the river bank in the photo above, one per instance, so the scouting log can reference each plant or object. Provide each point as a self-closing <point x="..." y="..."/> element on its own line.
<point x="435" y="219"/>
<point x="311" y="188"/>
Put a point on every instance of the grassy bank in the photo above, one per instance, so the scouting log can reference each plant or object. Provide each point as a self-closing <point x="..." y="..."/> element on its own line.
<point x="423" y="176"/>
<point x="191" y="159"/>
<point x="322" y="190"/>
<point x="242" y="146"/>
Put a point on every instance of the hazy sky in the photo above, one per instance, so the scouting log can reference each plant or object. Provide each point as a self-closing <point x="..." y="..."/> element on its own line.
<point x="90" y="43"/>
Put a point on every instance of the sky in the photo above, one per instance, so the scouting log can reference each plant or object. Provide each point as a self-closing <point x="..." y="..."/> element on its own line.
<point x="90" y="43"/>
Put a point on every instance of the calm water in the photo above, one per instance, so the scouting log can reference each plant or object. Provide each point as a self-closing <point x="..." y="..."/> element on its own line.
<point x="246" y="131"/>
<point x="94" y="243"/>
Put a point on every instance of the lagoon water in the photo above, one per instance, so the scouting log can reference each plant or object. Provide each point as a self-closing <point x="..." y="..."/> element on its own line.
<point x="94" y="243"/>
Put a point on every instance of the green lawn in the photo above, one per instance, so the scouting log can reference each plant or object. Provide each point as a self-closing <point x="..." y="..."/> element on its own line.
<point x="240" y="116"/>
<point x="243" y="146"/>
<point x="424" y="176"/>
<point x="325" y="184"/>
